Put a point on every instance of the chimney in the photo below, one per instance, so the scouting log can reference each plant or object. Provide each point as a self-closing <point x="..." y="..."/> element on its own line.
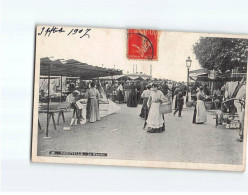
<point x="150" y="70"/>
<point x="133" y="68"/>
<point x="136" y="69"/>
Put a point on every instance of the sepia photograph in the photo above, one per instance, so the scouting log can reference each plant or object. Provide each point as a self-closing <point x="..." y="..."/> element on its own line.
<point x="133" y="97"/>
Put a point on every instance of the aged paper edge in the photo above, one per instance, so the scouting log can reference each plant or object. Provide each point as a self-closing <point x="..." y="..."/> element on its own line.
<point x="134" y="163"/>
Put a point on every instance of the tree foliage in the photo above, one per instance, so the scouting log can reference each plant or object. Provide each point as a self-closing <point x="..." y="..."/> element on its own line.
<point x="221" y="54"/>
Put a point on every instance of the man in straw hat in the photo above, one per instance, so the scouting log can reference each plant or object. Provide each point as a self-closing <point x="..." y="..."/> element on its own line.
<point x="72" y="97"/>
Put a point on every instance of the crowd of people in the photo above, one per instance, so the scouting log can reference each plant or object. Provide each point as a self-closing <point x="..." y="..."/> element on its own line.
<point x="151" y="94"/>
<point x="131" y="90"/>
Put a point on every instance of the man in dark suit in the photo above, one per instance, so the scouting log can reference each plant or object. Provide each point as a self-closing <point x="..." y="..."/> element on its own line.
<point x="183" y="88"/>
<point x="180" y="102"/>
<point x="165" y="88"/>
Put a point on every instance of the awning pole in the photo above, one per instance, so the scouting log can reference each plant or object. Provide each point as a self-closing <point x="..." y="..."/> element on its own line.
<point x="61" y="88"/>
<point x="48" y="93"/>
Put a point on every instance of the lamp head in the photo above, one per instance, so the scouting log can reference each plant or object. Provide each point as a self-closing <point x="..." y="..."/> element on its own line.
<point x="188" y="62"/>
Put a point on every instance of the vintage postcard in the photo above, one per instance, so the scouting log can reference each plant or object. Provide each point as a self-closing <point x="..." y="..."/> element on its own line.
<point x="134" y="97"/>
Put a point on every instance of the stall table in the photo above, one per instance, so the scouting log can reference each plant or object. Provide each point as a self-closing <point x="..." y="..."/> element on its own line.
<point x="51" y="114"/>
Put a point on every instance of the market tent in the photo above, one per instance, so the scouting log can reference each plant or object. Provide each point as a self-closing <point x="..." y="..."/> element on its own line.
<point x="70" y="68"/>
<point x="199" y="74"/>
<point x="210" y="75"/>
<point x="115" y="77"/>
<point x="74" y="68"/>
<point x="139" y="79"/>
<point x="124" y="77"/>
<point x="133" y="77"/>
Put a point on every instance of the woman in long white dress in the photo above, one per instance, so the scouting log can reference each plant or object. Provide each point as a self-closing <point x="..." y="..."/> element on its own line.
<point x="200" y="114"/>
<point x="155" y="120"/>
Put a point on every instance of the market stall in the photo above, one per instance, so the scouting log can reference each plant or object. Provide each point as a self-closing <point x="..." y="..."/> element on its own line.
<point x="226" y="95"/>
<point x="213" y="83"/>
<point x="67" y="68"/>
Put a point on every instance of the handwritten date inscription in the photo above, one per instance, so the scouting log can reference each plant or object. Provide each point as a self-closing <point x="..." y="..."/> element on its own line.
<point x="47" y="31"/>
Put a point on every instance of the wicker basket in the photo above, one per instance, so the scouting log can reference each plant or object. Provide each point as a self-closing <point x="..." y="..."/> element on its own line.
<point x="166" y="108"/>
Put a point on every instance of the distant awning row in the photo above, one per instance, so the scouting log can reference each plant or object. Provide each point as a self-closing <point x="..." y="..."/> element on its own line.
<point x="211" y="75"/>
<point x="122" y="77"/>
<point x="74" y="68"/>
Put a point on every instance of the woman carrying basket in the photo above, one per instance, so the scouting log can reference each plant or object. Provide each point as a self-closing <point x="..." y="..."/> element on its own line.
<point x="155" y="120"/>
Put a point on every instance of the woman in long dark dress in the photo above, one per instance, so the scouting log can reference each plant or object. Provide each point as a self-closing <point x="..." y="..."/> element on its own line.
<point x="127" y="90"/>
<point x="92" y="104"/>
<point x="132" y="99"/>
<point x="120" y="95"/>
<point x="174" y="100"/>
<point x="145" y="95"/>
<point x="139" y="99"/>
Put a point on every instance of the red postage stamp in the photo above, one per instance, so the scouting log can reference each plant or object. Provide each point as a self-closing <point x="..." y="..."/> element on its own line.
<point x="142" y="44"/>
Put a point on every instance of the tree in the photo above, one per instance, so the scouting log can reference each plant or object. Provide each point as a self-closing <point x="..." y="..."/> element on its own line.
<point x="221" y="54"/>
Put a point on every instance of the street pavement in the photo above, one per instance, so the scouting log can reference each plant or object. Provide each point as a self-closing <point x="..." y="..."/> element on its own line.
<point x="121" y="136"/>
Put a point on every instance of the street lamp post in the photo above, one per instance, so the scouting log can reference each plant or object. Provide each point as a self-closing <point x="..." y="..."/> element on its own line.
<point x="188" y="65"/>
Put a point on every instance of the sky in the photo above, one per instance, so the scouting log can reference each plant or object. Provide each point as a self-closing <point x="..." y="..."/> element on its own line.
<point x="108" y="47"/>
